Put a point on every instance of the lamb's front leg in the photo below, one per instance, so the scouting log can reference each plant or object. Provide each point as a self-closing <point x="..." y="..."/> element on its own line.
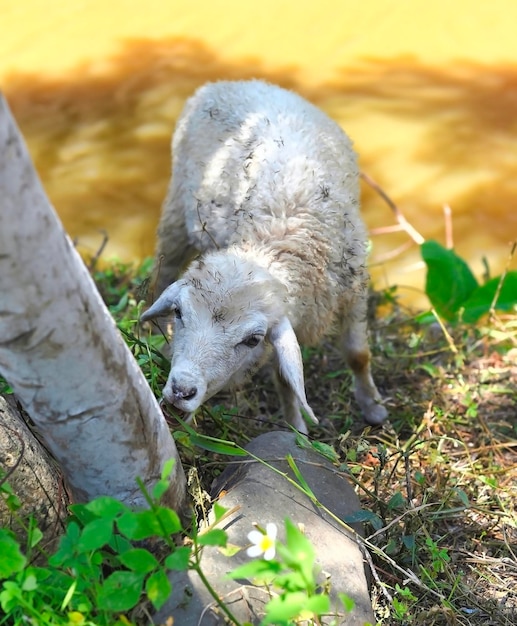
<point x="358" y="356"/>
<point x="289" y="403"/>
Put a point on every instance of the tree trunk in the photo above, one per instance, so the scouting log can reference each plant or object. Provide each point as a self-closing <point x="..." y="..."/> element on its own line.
<point x="32" y="475"/>
<point x="62" y="354"/>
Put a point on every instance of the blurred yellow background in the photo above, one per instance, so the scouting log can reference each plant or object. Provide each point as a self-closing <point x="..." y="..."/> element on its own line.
<point x="427" y="91"/>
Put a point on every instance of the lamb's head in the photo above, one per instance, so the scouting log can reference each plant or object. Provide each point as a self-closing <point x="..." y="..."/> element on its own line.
<point x="229" y="315"/>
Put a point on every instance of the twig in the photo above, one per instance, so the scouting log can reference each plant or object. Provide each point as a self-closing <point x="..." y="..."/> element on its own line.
<point x="447" y="216"/>
<point x="100" y="250"/>
<point x="399" y="518"/>
<point x="387" y="256"/>
<point x="204" y="228"/>
<point x="405" y="225"/>
<point x="364" y="544"/>
<point x="450" y="340"/>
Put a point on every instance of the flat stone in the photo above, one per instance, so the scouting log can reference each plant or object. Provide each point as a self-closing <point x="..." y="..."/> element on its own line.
<point x="259" y="494"/>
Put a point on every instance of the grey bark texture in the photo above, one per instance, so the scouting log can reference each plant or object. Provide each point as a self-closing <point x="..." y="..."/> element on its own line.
<point x="33" y="476"/>
<point x="62" y="354"/>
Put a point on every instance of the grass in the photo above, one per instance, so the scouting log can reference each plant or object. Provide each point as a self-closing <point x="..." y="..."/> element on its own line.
<point x="439" y="480"/>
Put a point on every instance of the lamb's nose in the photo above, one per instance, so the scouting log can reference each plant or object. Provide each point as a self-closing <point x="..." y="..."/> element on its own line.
<point x="183" y="393"/>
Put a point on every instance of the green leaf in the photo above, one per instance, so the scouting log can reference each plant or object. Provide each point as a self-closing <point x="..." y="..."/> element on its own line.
<point x="140" y="525"/>
<point x="300" y="477"/>
<point x="67" y="545"/>
<point x="139" y="560"/>
<point x="481" y="299"/>
<point x="449" y="281"/>
<point x="318" y="604"/>
<point x="69" y="595"/>
<point x="95" y="535"/>
<point x="163" y="484"/>
<point x="462" y="496"/>
<point x="120" y="544"/>
<point x="230" y="549"/>
<point x="300" y="552"/>
<point x="218" y="510"/>
<point x="11" y="500"/>
<point x="82" y="513"/>
<point x="292" y="581"/>
<point x="220" y="446"/>
<point x="35" y="536"/>
<point x="213" y="444"/>
<point x="179" y="559"/>
<point x="144" y="524"/>
<point x="347" y="602"/>
<point x="120" y="591"/>
<point x="364" y="516"/>
<point x="325" y="450"/>
<point x="261" y="569"/>
<point x="107" y="507"/>
<point x="30" y="583"/>
<point x="169" y="520"/>
<point x="397" y="501"/>
<point x="168" y="466"/>
<point x="281" y="609"/>
<point x="12" y="560"/>
<point x="159" y="489"/>
<point x="10" y="596"/>
<point x="214" y="537"/>
<point x="158" y="588"/>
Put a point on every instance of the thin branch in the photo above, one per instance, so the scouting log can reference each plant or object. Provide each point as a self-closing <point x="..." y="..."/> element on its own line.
<point x="95" y="258"/>
<point x="392" y="254"/>
<point x="448" y="337"/>
<point x="447" y="215"/>
<point x="406" y="226"/>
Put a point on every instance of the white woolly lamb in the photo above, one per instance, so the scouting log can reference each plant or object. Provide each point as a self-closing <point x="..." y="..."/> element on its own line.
<point x="264" y="187"/>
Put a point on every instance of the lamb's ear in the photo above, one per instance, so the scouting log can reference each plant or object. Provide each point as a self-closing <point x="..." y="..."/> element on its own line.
<point x="164" y="304"/>
<point x="290" y="363"/>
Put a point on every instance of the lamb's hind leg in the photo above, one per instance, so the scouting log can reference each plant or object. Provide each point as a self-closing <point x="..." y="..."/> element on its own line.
<point x="173" y="250"/>
<point x="357" y="352"/>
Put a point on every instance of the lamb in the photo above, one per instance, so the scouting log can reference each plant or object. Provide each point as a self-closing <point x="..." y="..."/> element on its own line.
<point x="265" y="191"/>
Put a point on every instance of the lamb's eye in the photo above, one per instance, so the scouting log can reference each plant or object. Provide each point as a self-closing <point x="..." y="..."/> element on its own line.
<point x="252" y="341"/>
<point x="177" y="313"/>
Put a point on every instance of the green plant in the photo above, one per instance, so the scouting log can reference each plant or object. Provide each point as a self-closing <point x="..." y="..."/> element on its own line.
<point x="5" y="387"/>
<point x="402" y="602"/>
<point x="444" y="468"/>
<point x="439" y="558"/>
<point x="454" y="291"/>
<point x="96" y="574"/>
<point x="290" y="577"/>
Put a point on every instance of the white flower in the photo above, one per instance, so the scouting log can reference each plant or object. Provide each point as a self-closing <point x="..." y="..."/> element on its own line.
<point x="263" y="543"/>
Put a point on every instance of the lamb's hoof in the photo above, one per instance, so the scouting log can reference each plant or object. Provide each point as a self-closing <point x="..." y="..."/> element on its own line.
<point x="375" y="414"/>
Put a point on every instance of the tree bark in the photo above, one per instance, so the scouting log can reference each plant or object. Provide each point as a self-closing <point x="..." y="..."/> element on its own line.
<point x="32" y="475"/>
<point x="62" y="354"/>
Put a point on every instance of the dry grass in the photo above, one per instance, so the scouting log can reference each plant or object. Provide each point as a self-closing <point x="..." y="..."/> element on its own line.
<point x="439" y="480"/>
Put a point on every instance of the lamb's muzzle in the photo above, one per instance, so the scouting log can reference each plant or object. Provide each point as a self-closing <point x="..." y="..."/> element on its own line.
<point x="265" y="189"/>
<point x="180" y="393"/>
